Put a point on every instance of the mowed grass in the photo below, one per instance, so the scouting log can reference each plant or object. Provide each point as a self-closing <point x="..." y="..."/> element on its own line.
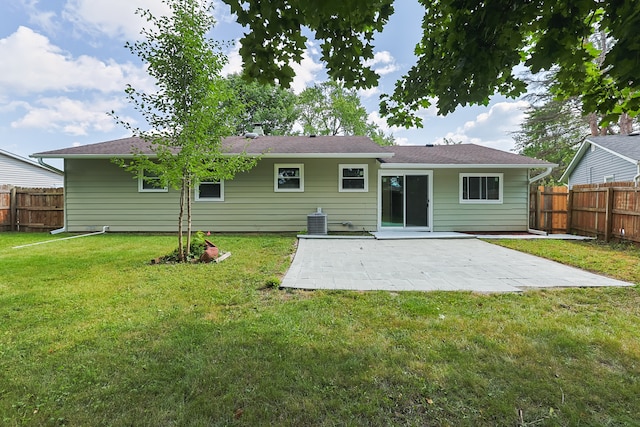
<point x="91" y="334"/>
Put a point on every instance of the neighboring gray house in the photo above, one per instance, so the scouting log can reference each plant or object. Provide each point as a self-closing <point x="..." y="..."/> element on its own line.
<point x="358" y="184"/>
<point x="611" y="158"/>
<point x="20" y="172"/>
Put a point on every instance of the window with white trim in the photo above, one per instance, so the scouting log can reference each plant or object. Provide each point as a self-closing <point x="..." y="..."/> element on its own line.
<point x="609" y="178"/>
<point x="353" y="178"/>
<point x="481" y="187"/>
<point x="210" y="191"/>
<point x="149" y="182"/>
<point x="288" y="177"/>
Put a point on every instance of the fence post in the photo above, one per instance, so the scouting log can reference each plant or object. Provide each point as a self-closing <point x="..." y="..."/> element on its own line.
<point x="569" y="211"/>
<point x="539" y="220"/>
<point x="608" y="215"/>
<point x="13" y="209"/>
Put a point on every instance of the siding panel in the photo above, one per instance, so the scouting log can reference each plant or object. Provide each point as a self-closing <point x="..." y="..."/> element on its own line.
<point x="99" y="193"/>
<point x="451" y="215"/>
<point x="597" y="164"/>
<point x="26" y="174"/>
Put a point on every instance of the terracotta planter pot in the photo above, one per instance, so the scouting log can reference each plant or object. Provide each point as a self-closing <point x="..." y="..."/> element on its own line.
<point x="210" y="253"/>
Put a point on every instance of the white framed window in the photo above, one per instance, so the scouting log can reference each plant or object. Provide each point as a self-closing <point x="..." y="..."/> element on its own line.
<point x="210" y="191"/>
<point x="150" y="182"/>
<point x="288" y="177"/>
<point x="353" y="178"/>
<point x="609" y="178"/>
<point x="481" y="187"/>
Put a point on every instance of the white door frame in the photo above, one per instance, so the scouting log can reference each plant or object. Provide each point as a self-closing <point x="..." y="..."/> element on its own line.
<point x="404" y="173"/>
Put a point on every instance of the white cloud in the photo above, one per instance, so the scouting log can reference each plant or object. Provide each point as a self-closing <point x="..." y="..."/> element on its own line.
<point x="382" y="63"/>
<point x="491" y="128"/>
<point x="46" y="20"/>
<point x="306" y="72"/>
<point x="70" y="116"/>
<point x="368" y="93"/>
<point x="36" y="65"/>
<point x="115" y="18"/>
<point x="222" y="12"/>
<point x="234" y="64"/>
<point x="381" y="122"/>
<point x="503" y="116"/>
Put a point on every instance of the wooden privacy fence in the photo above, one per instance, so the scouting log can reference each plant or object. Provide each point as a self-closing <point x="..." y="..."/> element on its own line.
<point x="548" y="209"/>
<point x="606" y="211"/>
<point x="31" y="209"/>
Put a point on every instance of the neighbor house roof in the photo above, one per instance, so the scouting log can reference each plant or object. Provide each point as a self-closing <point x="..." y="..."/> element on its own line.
<point x="626" y="147"/>
<point x="268" y="146"/>
<point x="30" y="162"/>
<point x="456" y="155"/>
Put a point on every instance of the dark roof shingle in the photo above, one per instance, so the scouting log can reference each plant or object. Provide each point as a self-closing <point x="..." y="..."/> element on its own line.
<point x="235" y="144"/>
<point x="459" y="154"/>
<point x="320" y="146"/>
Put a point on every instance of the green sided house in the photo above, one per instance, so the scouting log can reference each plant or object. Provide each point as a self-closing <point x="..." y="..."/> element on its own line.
<point x="347" y="182"/>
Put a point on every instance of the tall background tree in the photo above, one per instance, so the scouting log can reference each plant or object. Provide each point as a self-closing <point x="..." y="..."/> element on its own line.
<point x="468" y="51"/>
<point x="190" y="112"/>
<point x="329" y="108"/>
<point x="270" y="105"/>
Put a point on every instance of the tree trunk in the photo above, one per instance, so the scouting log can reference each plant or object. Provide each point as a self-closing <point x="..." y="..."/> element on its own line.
<point x="188" y="197"/>
<point x="626" y="124"/>
<point x="593" y="126"/>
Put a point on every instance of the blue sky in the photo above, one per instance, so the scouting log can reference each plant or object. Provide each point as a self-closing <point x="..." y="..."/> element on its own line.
<point x="64" y="66"/>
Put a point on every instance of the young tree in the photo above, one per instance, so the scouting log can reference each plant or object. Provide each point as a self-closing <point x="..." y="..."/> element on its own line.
<point x="468" y="51"/>
<point x="329" y="108"/>
<point x="264" y="103"/>
<point x="190" y="112"/>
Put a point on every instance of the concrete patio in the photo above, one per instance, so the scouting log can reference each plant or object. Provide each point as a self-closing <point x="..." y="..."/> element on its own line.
<point x="412" y="264"/>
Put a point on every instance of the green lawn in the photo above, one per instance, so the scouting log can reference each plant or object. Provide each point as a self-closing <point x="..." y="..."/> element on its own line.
<point x="91" y="334"/>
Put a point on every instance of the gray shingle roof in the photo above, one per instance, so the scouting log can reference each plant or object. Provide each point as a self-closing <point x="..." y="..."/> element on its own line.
<point x="627" y="145"/>
<point x="459" y="154"/>
<point x="290" y="145"/>
<point x="321" y="146"/>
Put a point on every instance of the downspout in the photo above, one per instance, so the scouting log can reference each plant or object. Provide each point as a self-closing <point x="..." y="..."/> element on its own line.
<point x="636" y="178"/>
<point x="542" y="175"/>
<point x="104" y="230"/>
<point x="42" y="163"/>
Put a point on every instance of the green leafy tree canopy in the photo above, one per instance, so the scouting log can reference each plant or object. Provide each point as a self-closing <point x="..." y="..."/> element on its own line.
<point x="467" y="53"/>
<point x="270" y="105"/>
<point x="329" y="108"/>
<point x="190" y="112"/>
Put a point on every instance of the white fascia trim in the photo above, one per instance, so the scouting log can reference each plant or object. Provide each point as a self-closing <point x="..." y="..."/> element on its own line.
<point x="91" y="156"/>
<point x="576" y="159"/>
<point x="266" y="155"/>
<point x="461" y="166"/>
<point x="324" y="155"/>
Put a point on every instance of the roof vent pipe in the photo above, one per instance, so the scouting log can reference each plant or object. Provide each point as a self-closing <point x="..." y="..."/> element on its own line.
<point x="257" y="129"/>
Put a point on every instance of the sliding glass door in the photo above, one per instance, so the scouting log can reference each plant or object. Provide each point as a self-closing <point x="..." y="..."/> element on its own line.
<point x="404" y="200"/>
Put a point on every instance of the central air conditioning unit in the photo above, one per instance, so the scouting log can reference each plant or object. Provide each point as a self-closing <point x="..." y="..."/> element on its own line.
<point x="317" y="223"/>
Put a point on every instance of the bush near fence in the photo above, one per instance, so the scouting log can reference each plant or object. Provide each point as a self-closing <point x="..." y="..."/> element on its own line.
<point x="607" y="210"/>
<point x="31" y="209"/>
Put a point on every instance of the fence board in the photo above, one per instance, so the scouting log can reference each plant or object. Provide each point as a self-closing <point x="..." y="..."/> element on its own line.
<point x="548" y="209"/>
<point x="31" y="209"/>
<point x="606" y="211"/>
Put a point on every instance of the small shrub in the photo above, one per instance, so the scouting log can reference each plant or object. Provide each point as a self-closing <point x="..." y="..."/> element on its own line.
<point x="272" y="282"/>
